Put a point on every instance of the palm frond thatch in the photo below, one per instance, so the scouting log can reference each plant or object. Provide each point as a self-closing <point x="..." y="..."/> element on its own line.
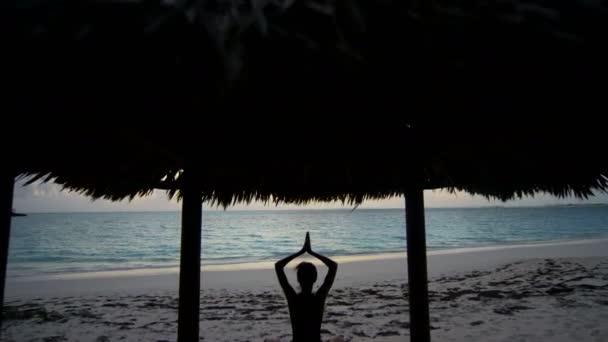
<point x="155" y="87"/>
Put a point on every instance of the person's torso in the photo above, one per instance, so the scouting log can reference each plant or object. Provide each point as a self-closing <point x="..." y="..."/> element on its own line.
<point x="306" y="313"/>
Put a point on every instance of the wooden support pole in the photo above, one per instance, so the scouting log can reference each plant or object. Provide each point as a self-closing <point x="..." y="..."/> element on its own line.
<point x="7" y="184"/>
<point x="416" y="266"/>
<point x="190" y="262"/>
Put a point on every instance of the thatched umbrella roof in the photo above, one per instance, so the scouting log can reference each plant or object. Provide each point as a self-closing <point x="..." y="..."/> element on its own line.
<point x="441" y="96"/>
<point x="505" y="62"/>
<point x="346" y="162"/>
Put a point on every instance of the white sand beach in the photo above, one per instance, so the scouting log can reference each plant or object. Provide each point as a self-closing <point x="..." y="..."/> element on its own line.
<point x="535" y="292"/>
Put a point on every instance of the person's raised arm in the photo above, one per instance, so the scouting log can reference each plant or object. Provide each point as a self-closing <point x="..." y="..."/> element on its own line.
<point x="331" y="265"/>
<point x="279" y="266"/>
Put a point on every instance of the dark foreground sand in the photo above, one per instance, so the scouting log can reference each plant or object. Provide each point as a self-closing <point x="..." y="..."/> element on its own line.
<point x="524" y="299"/>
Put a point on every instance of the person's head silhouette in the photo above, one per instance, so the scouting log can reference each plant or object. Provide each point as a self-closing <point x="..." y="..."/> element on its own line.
<point x="307" y="275"/>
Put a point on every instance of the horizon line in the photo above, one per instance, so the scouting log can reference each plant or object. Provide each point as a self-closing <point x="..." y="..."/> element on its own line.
<point x="320" y="209"/>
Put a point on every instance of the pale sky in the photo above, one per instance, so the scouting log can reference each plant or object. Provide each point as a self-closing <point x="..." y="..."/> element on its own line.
<point x="50" y="198"/>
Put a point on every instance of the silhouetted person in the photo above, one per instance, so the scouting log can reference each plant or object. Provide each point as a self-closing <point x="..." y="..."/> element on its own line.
<point x="306" y="308"/>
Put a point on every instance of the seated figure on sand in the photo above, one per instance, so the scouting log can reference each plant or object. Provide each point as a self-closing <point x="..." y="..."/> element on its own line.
<point x="306" y="308"/>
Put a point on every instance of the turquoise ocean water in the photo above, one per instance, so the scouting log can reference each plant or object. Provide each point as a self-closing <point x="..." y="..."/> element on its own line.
<point x="76" y="242"/>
